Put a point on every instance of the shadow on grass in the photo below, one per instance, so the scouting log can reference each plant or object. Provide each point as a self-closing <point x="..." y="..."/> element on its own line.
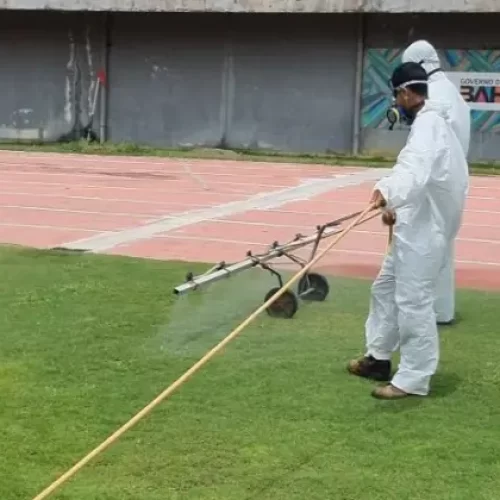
<point x="456" y="321"/>
<point x="444" y="384"/>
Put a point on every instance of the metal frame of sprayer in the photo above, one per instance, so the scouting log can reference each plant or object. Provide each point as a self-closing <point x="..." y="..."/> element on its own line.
<point x="312" y="287"/>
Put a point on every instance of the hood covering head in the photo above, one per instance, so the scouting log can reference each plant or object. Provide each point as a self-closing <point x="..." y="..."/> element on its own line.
<point x="422" y="52"/>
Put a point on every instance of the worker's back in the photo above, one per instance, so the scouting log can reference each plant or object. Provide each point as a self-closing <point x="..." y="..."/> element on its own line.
<point x="442" y="89"/>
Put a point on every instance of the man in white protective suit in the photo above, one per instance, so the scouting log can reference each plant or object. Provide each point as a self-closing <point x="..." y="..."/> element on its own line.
<point x="424" y="195"/>
<point x="442" y="89"/>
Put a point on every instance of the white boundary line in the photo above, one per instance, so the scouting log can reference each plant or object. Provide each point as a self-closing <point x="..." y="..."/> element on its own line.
<point x="326" y="214"/>
<point x="179" y="235"/>
<point x="149" y="174"/>
<point x="106" y="200"/>
<point x="190" y="205"/>
<point x="70" y="211"/>
<point x="196" y="190"/>
<point x="56" y="228"/>
<point x="132" y="180"/>
<point x="333" y="250"/>
<point x="308" y="227"/>
<point x="274" y="199"/>
<point x="157" y="175"/>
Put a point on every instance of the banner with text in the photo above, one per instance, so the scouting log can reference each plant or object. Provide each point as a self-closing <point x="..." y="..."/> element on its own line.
<point x="480" y="90"/>
<point x="476" y="73"/>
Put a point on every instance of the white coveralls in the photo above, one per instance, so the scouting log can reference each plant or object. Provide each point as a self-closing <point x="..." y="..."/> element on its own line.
<point x="427" y="188"/>
<point x="442" y="89"/>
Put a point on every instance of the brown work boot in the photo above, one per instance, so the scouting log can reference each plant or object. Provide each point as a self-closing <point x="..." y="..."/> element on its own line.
<point x="369" y="367"/>
<point x="389" y="392"/>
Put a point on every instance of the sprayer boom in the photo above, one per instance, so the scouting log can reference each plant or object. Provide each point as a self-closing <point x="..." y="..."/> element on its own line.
<point x="312" y="286"/>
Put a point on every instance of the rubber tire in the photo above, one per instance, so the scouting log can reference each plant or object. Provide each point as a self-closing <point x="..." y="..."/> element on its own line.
<point x="285" y="306"/>
<point x="316" y="281"/>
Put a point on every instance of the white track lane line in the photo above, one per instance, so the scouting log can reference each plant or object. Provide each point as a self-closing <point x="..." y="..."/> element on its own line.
<point x="266" y="200"/>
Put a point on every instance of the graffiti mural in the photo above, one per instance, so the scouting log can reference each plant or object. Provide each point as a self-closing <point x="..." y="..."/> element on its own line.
<point x="380" y="63"/>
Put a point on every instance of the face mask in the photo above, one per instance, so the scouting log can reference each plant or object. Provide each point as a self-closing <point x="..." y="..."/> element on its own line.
<point x="397" y="114"/>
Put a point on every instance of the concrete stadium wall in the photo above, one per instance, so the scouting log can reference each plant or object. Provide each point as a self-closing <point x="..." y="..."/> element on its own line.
<point x="282" y="82"/>
<point x="256" y="6"/>
<point x="278" y="82"/>
<point x="48" y="63"/>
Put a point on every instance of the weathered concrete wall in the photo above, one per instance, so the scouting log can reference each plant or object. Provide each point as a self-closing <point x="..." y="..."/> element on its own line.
<point x="291" y="82"/>
<point x="257" y="6"/>
<point x="464" y="31"/>
<point x="48" y="63"/>
<point x="166" y="77"/>
<point x="278" y="82"/>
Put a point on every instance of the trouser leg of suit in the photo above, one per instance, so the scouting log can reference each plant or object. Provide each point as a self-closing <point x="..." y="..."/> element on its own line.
<point x="416" y="278"/>
<point x="444" y="304"/>
<point x="381" y="328"/>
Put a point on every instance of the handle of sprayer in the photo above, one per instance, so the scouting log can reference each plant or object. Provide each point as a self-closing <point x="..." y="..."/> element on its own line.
<point x="389" y="238"/>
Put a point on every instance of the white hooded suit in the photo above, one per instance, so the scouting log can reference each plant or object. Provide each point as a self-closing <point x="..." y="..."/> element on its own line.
<point x="427" y="189"/>
<point x="442" y="89"/>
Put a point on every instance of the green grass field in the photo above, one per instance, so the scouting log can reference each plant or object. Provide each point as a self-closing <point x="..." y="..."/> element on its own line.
<point x="87" y="341"/>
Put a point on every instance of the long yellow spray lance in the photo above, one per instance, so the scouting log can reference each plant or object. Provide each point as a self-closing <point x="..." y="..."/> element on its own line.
<point x="363" y="217"/>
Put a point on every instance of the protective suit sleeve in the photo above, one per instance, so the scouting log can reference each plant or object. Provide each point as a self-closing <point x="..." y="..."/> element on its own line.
<point x="414" y="165"/>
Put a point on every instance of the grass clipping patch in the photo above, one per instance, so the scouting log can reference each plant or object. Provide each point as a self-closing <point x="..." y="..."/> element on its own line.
<point x="86" y="343"/>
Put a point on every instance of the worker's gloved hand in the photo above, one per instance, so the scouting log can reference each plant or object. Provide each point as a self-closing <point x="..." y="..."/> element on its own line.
<point x="389" y="217"/>
<point x="377" y="200"/>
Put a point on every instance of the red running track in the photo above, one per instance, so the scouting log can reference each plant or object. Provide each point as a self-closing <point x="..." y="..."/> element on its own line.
<point x="52" y="200"/>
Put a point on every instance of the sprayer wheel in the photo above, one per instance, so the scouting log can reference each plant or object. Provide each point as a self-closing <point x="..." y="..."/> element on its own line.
<point x="285" y="306"/>
<point x="313" y="287"/>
